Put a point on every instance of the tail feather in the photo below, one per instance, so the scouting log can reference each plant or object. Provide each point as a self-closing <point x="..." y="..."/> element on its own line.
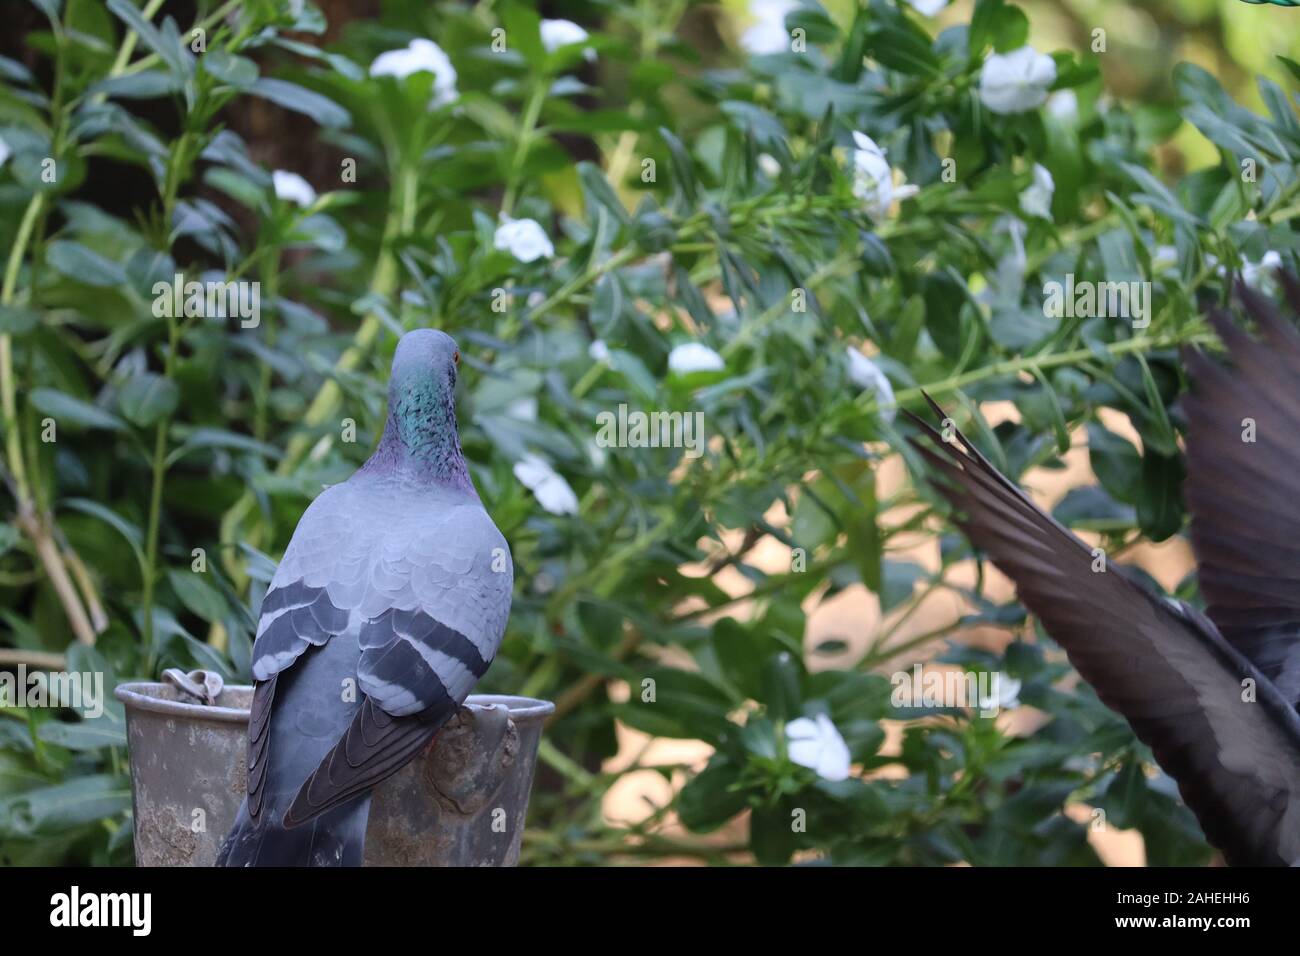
<point x="334" y="838"/>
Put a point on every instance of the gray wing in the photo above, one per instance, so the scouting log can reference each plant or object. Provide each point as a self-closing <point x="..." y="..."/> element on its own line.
<point x="1162" y="666"/>
<point x="1243" y="488"/>
<point x="294" y="616"/>
<point x="417" y="663"/>
<point x="427" y="586"/>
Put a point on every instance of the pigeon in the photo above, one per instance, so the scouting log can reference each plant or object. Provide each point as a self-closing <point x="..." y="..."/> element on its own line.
<point x="389" y="605"/>
<point x="1213" y="694"/>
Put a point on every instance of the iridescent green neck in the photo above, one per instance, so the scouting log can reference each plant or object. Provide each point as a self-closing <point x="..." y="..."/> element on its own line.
<point x="420" y="438"/>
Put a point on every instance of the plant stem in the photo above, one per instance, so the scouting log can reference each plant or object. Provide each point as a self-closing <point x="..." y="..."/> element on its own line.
<point x="177" y="166"/>
<point x="28" y="518"/>
<point x="159" y="472"/>
<point x="13" y="443"/>
<point x="1031" y="362"/>
<point x="128" y="42"/>
<point x="536" y="98"/>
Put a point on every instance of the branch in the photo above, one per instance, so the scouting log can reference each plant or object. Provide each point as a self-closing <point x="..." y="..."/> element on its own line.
<point x="48" y="552"/>
<point x="44" y="660"/>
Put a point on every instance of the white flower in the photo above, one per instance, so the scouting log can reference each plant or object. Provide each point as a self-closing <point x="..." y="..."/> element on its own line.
<point x="5" y="152"/>
<point x="524" y="239"/>
<point x="927" y="8"/>
<point x="865" y="374"/>
<point x="1164" y="259"/>
<point x="694" y="357"/>
<point x="818" y="746"/>
<point x="1064" y="106"/>
<point x="1017" y="81"/>
<point x="549" y="488"/>
<point x="598" y="351"/>
<point x="873" y="179"/>
<point x="524" y="409"/>
<point x="769" y="34"/>
<point x="292" y="188"/>
<point x="769" y="165"/>
<point x="1037" y="199"/>
<point x="1005" y="693"/>
<point x="558" y="33"/>
<point x="420" y="56"/>
<point x="1260" y="275"/>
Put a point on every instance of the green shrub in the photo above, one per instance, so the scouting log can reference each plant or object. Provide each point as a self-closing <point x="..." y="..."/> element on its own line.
<point x="730" y="205"/>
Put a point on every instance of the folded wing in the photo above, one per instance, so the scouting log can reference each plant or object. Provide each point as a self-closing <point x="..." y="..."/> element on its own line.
<point x="419" y="658"/>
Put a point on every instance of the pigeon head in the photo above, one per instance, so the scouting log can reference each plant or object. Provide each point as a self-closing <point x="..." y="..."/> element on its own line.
<point x="426" y="360"/>
<point x="420" y="437"/>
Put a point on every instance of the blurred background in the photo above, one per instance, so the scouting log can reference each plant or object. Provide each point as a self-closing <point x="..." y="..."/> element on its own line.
<point x="721" y="634"/>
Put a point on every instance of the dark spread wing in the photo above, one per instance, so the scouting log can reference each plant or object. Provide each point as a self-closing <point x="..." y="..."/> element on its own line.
<point x="1163" y="667"/>
<point x="1243" y="488"/>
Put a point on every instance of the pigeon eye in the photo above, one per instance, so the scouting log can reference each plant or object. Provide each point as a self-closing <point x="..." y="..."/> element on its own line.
<point x="456" y="357"/>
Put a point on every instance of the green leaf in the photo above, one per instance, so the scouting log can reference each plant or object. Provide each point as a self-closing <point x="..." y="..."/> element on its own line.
<point x="740" y="653"/>
<point x="998" y="24"/>
<point x="83" y="734"/>
<point x="48" y="7"/>
<point x="683" y="168"/>
<point x="599" y="191"/>
<point x="523" y="28"/>
<point x="237" y="71"/>
<point x="200" y="438"/>
<point x="898" y="582"/>
<point x="683" y="704"/>
<point x="17" y="320"/>
<point x="147" y="398"/>
<point x="198" y="595"/>
<point x="899" y="44"/>
<point x="9" y="536"/>
<point x="1058" y="416"/>
<point x="1159" y="503"/>
<point x="83" y="265"/>
<point x="145" y="85"/>
<point x="67" y="410"/>
<point x="864" y="541"/>
<point x="16" y="737"/>
<point x="1125" y="796"/>
<point x="1115" y="462"/>
<point x="301" y="100"/>
<point x="123" y="527"/>
<point x="173" y="54"/>
<point x="813" y="522"/>
<point x="781" y="686"/>
<point x="52" y="811"/>
<point x="711" y="797"/>
<point x="772" y="835"/>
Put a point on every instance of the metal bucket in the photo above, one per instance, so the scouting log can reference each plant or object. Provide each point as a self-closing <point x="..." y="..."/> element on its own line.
<point x="461" y="802"/>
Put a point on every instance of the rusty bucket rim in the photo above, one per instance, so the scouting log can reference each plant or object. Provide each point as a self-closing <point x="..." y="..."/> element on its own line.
<point x="131" y="693"/>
